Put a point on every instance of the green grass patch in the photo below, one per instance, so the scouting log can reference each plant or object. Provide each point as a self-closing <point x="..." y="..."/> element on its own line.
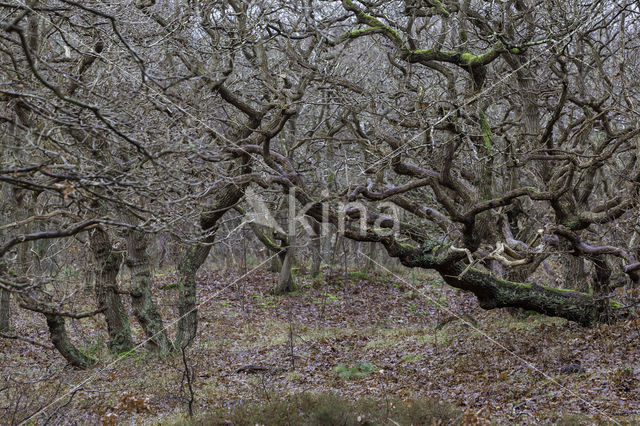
<point x="403" y="337"/>
<point x="358" y="370"/>
<point x="411" y="357"/>
<point x="531" y="322"/>
<point x="358" y="275"/>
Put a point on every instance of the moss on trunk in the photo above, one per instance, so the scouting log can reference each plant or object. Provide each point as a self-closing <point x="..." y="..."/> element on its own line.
<point x="144" y="308"/>
<point x="61" y="341"/>
<point x="108" y="266"/>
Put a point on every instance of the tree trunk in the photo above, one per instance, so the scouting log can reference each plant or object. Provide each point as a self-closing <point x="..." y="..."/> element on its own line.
<point x="5" y="310"/>
<point x="22" y="210"/>
<point x="225" y="199"/>
<point x="370" y="258"/>
<point x="276" y="261"/>
<point x="275" y="265"/>
<point x="573" y="272"/>
<point x="61" y="341"/>
<point x="108" y="266"/>
<point x="285" y="280"/>
<point x="316" y="256"/>
<point x="316" y="249"/>
<point x="574" y="275"/>
<point x="187" y="307"/>
<point x="144" y="308"/>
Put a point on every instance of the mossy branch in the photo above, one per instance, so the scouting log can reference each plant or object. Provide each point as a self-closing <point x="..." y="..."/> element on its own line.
<point x="494" y="292"/>
<point x="462" y="59"/>
<point x="375" y="26"/>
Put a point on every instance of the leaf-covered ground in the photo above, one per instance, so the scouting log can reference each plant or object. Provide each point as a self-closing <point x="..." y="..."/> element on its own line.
<point x="360" y="336"/>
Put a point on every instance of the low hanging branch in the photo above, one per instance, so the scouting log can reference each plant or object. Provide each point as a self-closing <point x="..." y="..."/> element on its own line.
<point x="72" y="230"/>
<point x="581" y="247"/>
<point x="49" y="310"/>
<point x="449" y="262"/>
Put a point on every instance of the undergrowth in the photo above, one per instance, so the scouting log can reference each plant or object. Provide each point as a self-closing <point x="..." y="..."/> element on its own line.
<point x="331" y="409"/>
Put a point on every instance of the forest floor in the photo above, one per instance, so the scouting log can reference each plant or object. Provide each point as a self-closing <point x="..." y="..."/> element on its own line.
<point x="360" y="336"/>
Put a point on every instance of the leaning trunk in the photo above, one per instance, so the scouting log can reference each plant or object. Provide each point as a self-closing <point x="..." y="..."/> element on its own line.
<point x="106" y="292"/>
<point x="285" y="280"/>
<point x="61" y="341"/>
<point x="226" y="198"/>
<point x="494" y="292"/>
<point x="144" y="308"/>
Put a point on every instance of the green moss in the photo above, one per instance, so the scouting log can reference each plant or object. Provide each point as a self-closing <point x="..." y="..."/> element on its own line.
<point x="357" y="371"/>
<point x="360" y="33"/>
<point x="423" y="52"/>
<point x="563" y="290"/>
<point x="271" y="243"/>
<point x="487" y="136"/>
<point x="471" y="60"/>
<point x="375" y="24"/>
<point x="382" y="229"/>
<point x="407" y="246"/>
<point x="440" y="7"/>
<point x="411" y="357"/>
<point x="572" y="222"/>
<point x="468" y="58"/>
<point x="126" y="354"/>
<point x="91" y="350"/>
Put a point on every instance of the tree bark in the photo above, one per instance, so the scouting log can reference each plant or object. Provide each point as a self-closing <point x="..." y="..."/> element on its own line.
<point x="61" y="341"/>
<point x="5" y="304"/>
<point x="22" y="210"/>
<point x="370" y="258"/>
<point x="187" y="306"/>
<point x="226" y="199"/>
<point x="144" y="308"/>
<point x="574" y="273"/>
<point x="316" y="256"/>
<point x="108" y="266"/>
<point x="276" y="264"/>
<point x="316" y="249"/>
<point x="5" y="310"/>
<point x="285" y="280"/>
